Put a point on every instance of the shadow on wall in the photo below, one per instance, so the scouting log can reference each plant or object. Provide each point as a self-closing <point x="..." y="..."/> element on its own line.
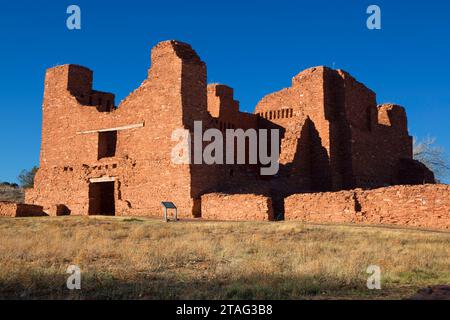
<point x="413" y="172"/>
<point x="341" y="162"/>
<point x="310" y="170"/>
<point x="24" y="210"/>
<point x="62" y="210"/>
<point x="311" y="159"/>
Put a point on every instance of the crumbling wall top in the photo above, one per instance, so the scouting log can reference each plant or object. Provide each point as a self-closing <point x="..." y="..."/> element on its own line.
<point x="392" y="115"/>
<point x="221" y="100"/>
<point x="173" y="47"/>
<point x="313" y="71"/>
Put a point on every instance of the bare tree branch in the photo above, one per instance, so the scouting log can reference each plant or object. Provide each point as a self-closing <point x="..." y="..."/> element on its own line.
<point x="433" y="156"/>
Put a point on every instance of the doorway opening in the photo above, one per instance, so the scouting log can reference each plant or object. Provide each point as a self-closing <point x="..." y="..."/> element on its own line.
<point x="101" y="198"/>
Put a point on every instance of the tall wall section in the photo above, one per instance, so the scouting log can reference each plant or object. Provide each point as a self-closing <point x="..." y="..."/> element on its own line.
<point x="172" y="97"/>
<point x="375" y="137"/>
<point x="298" y="111"/>
<point x="334" y="134"/>
<point x="225" y="115"/>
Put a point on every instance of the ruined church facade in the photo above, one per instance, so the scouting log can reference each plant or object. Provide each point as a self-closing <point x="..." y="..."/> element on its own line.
<point x="99" y="158"/>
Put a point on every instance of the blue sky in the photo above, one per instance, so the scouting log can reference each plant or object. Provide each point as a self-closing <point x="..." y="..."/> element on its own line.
<point x="254" y="46"/>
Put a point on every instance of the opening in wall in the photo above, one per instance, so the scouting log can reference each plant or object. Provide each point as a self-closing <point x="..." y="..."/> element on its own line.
<point x="101" y="198"/>
<point x="107" y="142"/>
<point x="197" y="208"/>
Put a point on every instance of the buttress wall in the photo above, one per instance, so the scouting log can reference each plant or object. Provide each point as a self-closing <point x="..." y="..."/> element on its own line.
<point x="305" y="145"/>
<point x="370" y="140"/>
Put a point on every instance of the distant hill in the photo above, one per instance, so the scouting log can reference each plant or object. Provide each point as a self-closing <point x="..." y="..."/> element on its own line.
<point x="11" y="193"/>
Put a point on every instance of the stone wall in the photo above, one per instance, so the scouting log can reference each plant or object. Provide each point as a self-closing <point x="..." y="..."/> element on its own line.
<point x="425" y="206"/>
<point x="75" y="115"/>
<point x="247" y="207"/>
<point x="334" y="135"/>
<point x="10" y="209"/>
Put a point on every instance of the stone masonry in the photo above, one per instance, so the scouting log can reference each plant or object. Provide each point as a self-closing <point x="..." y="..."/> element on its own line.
<point x="425" y="206"/>
<point x="101" y="158"/>
<point x="247" y="207"/>
<point x="10" y="209"/>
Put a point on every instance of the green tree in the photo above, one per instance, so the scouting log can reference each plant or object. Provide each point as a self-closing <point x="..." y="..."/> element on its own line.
<point x="26" y="177"/>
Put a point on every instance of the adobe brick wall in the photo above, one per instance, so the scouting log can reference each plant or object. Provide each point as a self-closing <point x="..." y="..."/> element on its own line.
<point x="299" y="111"/>
<point x="336" y="137"/>
<point x="10" y="209"/>
<point x="225" y="114"/>
<point x="234" y="207"/>
<point x="173" y="95"/>
<point x="321" y="207"/>
<point x="425" y="206"/>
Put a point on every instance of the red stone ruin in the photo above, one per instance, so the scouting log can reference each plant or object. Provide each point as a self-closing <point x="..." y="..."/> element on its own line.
<point x="99" y="158"/>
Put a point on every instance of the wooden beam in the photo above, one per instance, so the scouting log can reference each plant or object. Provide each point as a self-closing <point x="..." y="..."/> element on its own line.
<point x="102" y="179"/>
<point x="131" y="126"/>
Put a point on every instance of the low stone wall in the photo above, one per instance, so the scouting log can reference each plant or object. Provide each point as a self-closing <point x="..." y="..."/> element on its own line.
<point x="246" y="207"/>
<point x="425" y="206"/>
<point x="321" y="207"/>
<point x="11" y="209"/>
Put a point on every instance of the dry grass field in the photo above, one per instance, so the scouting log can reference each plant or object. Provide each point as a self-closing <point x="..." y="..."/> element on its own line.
<point x="8" y="193"/>
<point x="139" y="258"/>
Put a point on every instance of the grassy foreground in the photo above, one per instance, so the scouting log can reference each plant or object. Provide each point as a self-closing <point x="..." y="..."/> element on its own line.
<point x="148" y="259"/>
